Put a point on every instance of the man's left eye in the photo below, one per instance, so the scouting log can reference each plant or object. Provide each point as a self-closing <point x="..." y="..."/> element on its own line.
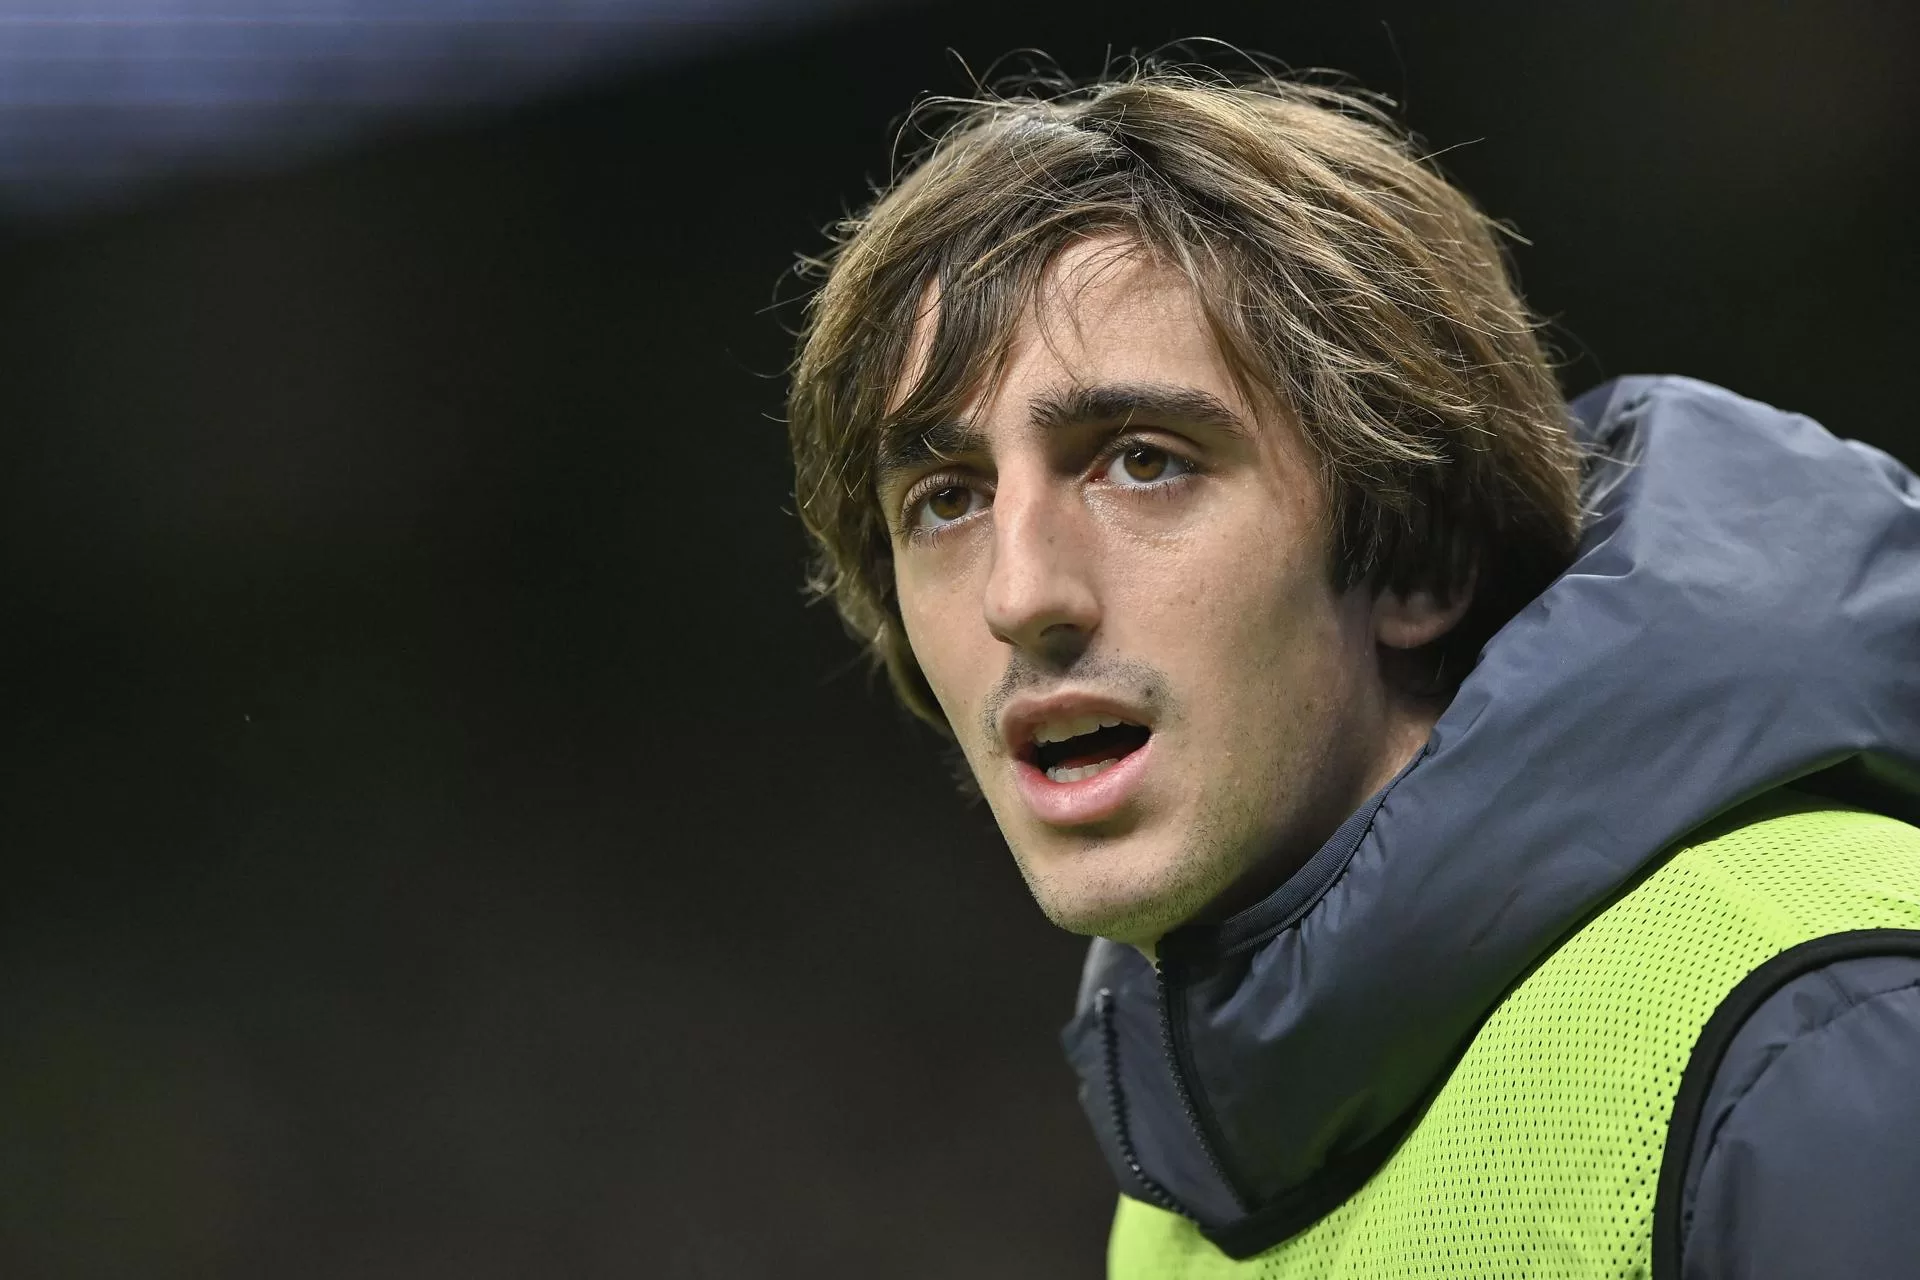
<point x="1144" y="465"/>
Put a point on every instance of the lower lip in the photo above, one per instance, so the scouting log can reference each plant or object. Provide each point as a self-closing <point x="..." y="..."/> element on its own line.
<point x="1068" y="804"/>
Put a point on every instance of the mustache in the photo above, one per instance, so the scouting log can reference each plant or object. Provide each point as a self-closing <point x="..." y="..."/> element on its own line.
<point x="1127" y="679"/>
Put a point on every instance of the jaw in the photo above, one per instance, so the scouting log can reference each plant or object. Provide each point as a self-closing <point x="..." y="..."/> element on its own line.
<point x="1131" y="879"/>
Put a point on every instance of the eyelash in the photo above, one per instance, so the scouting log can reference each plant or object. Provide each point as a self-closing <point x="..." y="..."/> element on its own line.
<point x="1115" y="448"/>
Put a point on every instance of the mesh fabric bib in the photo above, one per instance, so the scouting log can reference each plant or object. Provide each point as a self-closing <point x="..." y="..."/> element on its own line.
<point x="1540" y="1155"/>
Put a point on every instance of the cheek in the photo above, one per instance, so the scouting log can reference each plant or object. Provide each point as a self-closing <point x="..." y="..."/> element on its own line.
<point x="1256" y="641"/>
<point x="1255" y="607"/>
<point x="936" y="621"/>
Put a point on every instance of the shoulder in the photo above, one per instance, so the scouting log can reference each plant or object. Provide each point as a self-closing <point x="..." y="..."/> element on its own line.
<point x="1799" y="1113"/>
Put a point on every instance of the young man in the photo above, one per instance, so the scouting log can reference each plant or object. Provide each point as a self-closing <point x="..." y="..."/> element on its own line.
<point x="1480" y="804"/>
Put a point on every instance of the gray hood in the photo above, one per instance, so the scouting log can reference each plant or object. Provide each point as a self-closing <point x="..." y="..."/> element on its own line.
<point x="1744" y="611"/>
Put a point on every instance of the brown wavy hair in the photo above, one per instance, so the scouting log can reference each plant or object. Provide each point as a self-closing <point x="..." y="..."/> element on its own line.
<point x="1350" y="287"/>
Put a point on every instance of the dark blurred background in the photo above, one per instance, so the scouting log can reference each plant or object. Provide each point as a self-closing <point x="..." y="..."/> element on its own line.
<point x="437" y="839"/>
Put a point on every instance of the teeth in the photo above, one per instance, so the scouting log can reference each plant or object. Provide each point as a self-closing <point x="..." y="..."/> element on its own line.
<point x="1061" y="730"/>
<point x="1058" y="774"/>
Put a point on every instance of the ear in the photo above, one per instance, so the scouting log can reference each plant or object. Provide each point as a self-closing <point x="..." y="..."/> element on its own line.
<point x="1415" y="618"/>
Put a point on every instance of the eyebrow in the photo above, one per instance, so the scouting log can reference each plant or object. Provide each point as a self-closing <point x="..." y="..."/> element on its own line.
<point x="908" y="446"/>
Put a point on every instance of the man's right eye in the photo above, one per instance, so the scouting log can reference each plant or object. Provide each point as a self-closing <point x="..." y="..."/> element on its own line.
<point x="937" y="508"/>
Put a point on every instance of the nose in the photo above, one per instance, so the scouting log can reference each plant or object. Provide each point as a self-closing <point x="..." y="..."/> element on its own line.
<point x="1040" y="593"/>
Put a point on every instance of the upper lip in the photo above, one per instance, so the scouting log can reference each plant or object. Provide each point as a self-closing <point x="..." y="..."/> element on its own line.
<point x="1024" y="715"/>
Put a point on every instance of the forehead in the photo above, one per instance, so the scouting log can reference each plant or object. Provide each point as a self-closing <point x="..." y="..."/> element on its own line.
<point x="1104" y="310"/>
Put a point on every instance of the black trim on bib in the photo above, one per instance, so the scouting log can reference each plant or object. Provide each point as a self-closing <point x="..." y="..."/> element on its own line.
<point x="1710" y="1050"/>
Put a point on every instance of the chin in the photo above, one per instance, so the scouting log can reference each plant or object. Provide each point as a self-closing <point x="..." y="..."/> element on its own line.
<point x="1137" y="909"/>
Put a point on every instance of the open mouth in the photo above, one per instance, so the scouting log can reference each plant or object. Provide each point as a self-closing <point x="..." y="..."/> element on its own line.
<point x="1086" y="754"/>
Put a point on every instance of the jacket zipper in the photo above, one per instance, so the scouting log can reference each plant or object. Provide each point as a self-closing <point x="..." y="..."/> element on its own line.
<point x="1117" y="1106"/>
<point x="1174" y="1038"/>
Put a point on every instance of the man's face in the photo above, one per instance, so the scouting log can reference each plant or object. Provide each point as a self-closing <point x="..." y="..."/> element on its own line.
<point x="1118" y="536"/>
